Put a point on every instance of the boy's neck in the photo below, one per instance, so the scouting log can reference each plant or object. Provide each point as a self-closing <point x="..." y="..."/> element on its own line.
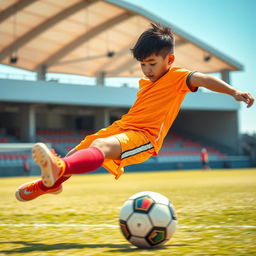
<point x="162" y="75"/>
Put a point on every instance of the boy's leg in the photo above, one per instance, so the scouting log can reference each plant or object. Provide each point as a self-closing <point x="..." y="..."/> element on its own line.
<point x="56" y="170"/>
<point x="84" y="160"/>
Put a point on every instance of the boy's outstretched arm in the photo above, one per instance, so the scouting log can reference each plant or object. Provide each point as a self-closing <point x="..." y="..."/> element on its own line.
<point x="217" y="85"/>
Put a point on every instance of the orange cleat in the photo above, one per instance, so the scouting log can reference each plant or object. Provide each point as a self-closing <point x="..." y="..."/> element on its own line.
<point x="52" y="166"/>
<point x="31" y="190"/>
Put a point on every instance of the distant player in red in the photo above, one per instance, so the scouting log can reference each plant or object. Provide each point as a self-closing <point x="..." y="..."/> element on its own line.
<point x="139" y="134"/>
<point x="204" y="159"/>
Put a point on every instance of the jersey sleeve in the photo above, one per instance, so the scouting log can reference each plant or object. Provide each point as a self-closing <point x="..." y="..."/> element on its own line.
<point x="183" y="84"/>
<point x="190" y="87"/>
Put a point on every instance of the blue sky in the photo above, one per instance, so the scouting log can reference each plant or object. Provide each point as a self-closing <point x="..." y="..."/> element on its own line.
<point x="227" y="25"/>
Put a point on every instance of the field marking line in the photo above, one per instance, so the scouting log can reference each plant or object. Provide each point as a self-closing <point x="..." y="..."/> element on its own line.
<point x="218" y="226"/>
<point x="58" y="225"/>
<point x="115" y="226"/>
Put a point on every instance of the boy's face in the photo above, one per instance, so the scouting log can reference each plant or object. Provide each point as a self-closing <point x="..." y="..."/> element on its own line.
<point x="154" y="67"/>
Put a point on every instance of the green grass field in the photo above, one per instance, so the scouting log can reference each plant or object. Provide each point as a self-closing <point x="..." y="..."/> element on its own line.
<point x="216" y="211"/>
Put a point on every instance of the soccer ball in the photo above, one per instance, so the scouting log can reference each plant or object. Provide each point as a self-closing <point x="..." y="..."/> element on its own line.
<point x="148" y="219"/>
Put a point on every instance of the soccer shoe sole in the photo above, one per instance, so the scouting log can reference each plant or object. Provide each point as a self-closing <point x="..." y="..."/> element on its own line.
<point x="18" y="197"/>
<point x="43" y="157"/>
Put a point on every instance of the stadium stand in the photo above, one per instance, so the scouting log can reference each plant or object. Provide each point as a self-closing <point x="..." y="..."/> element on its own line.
<point x="178" y="146"/>
<point x="177" y="149"/>
<point x="15" y="157"/>
<point x="174" y="145"/>
<point x="3" y="139"/>
<point x="62" y="140"/>
<point x="178" y="152"/>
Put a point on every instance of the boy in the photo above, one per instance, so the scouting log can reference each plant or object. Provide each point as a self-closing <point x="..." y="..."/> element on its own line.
<point x="139" y="134"/>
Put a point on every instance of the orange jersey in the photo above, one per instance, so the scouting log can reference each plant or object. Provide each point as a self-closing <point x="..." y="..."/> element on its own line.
<point x="157" y="105"/>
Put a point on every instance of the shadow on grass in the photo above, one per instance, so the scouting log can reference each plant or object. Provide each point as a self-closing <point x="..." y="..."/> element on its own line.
<point x="134" y="249"/>
<point x="37" y="247"/>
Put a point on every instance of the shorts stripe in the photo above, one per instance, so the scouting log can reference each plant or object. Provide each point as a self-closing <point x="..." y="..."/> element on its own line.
<point x="135" y="151"/>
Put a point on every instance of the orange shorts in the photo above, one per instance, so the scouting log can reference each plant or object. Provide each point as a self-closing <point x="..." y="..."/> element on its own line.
<point x="136" y="148"/>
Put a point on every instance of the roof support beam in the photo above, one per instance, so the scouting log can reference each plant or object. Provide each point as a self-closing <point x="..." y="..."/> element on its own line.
<point x="14" y="8"/>
<point x="100" y="78"/>
<point x="41" y="73"/>
<point x="44" y="26"/>
<point x="225" y="75"/>
<point x="85" y="37"/>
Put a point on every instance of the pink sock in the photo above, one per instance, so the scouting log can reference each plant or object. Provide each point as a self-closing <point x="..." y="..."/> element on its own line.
<point x="84" y="160"/>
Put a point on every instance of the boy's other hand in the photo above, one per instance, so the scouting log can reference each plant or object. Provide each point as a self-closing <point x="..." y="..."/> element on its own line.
<point x="245" y="97"/>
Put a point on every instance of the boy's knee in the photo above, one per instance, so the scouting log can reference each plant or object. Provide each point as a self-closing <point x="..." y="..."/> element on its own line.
<point x="99" y="143"/>
<point x="109" y="146"/>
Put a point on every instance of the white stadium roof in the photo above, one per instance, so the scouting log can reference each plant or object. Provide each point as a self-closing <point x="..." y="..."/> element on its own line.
<point x="87" y="37"/>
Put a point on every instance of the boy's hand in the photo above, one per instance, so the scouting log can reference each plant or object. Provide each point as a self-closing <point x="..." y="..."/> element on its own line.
<point x="245" y="97"/>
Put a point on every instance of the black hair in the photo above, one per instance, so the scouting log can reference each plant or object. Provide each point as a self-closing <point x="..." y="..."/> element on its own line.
<point x="158" y="40"/>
